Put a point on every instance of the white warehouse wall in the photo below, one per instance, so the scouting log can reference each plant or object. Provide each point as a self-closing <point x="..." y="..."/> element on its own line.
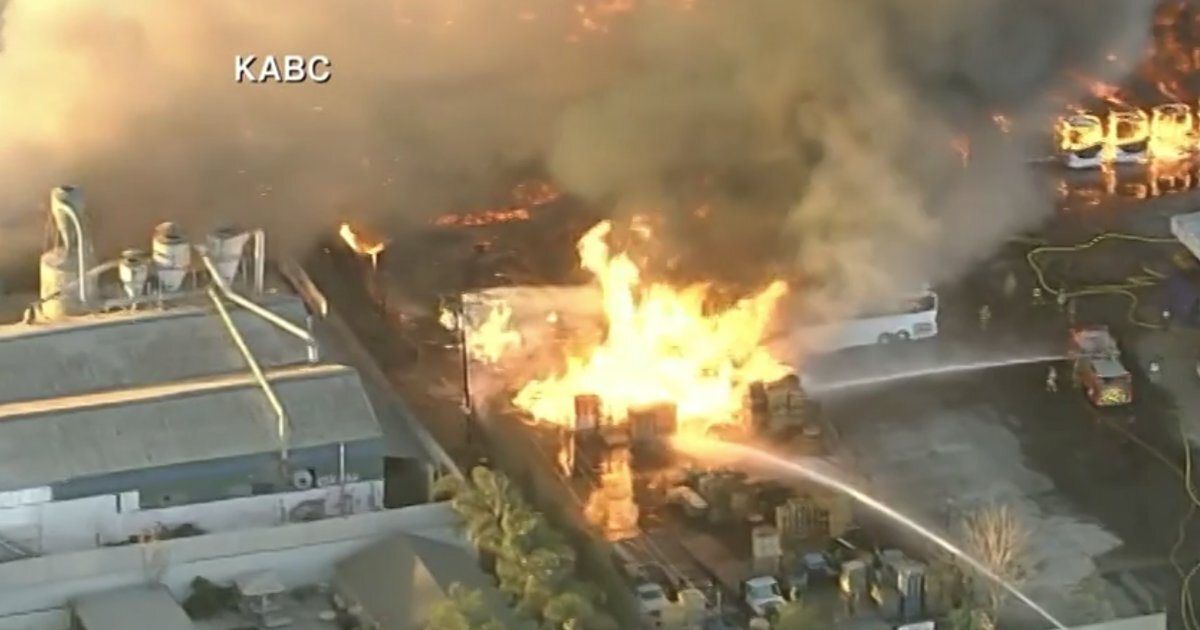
<point x="300" y="553"/>
<point x="76" y="525"/>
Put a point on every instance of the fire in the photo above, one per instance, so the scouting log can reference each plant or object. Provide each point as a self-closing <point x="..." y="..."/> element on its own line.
<point x="486" y="217"/>
<point x="362" y="242"/>
<point x="494" y="336"/>
<point x="962" y="146"/>
<point x="1173" y="131"/>
<point x="611" y="507"/>
<point x="535" y="193"/>
<point x="661" y="346"/>
<point x="1003" y="123"/>
<point x="525" y="196"/>
<point x="487" y="340"/>
<point x="1163" y="133"/>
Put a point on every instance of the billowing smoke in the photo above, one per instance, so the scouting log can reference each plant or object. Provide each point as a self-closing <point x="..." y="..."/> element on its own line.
<point x="874" y="106"/>
<point x="434" y="104"/>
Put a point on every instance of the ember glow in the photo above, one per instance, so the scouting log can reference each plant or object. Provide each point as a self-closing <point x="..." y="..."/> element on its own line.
<point x="362" y="242"/>
<point x="525" y="196"/>
<point x="661" y="345"/>
<point x="484" y="217"/>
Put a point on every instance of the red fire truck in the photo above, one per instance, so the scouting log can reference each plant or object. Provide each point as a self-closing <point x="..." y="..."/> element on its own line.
<point x="1098" y="368"/>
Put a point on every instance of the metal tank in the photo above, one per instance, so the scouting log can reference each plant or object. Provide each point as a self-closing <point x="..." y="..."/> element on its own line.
<point x="172" y="257"/>
<point x="134" y="271"/>
<point x="66" y="288"/>
<point x="224" y="247"/>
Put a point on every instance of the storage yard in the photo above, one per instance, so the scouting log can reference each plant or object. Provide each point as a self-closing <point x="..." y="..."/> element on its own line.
<point x="1032" y="410"/>
<point x="1086" y="479"/>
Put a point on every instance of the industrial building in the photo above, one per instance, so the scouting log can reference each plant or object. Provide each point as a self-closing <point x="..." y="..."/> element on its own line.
<point x="189" y="375"/>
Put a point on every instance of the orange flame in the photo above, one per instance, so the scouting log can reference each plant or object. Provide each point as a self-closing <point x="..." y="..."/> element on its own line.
<point x="660" y="346"/>
<point x="362" y="242"/>
<point x="1165" y="133"/>
<point x="525" y="196"/>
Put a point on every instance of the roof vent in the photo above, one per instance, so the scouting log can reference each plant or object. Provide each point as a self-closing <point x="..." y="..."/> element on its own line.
<point x="134" y="270"/>
<point x="224" y="247"/>
<point x="172" y="257"/>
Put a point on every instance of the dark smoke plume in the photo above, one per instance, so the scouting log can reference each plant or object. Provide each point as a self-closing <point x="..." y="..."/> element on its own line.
<point x="435" y="103"/>
<point x="865" y="102"/>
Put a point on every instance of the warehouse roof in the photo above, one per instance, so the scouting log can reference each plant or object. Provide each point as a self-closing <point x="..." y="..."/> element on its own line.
<point x="116" y="351"/>
<point x="398" y="581"/>
<point x="137" y="607"/>
<point x="50" y="441"/>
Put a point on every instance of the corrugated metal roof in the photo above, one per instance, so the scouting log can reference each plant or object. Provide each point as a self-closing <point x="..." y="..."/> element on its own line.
<point x="118" y="351"/>
<point x="124" y="609"/>
<point x="50" y="441"/>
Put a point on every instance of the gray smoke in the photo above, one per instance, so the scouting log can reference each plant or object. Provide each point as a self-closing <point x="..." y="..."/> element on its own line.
<point x="864" y="101"/>
<point x="434" y="104"/>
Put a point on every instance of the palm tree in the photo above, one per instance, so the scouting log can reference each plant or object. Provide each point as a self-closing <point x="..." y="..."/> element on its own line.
<point x="966" y="618"/>
<point x="797" y="616"/>
<point x="532" y="562"/>
<point x="573" y="608"/>
<point x="483" y="501"/>
<point x="462" y="609"/>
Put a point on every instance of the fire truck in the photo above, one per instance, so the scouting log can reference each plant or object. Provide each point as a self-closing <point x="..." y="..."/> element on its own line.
<point x="1098" y="368"/>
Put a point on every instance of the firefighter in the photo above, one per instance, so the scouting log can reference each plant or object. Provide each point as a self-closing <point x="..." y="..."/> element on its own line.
<point x="1010" y="285"/>
<point x="1166" y="319"/>
<point x="1155" y="368"/>
<point x="1052" y="380"/>
<point x="985" y="317"/>
<point x="1037" y="296"/>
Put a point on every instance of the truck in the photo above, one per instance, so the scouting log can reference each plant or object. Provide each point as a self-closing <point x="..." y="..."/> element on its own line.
<point x="1097" y="366"/>
<point x="763" y="596"/>
<point x="656" y="556"/>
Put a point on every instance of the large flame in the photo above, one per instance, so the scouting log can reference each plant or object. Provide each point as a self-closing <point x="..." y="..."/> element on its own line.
<point x="660" y="346"/>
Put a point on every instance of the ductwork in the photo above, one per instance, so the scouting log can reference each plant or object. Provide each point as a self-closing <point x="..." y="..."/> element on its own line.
<point x="248" y="304"/>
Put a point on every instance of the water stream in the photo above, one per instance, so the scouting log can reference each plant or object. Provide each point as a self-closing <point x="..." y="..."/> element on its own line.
<point x="708" y="447"/>
<point x="939" y="370"/>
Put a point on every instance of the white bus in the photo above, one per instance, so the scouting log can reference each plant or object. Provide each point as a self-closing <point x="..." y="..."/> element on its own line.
<point x="913" y="318"/>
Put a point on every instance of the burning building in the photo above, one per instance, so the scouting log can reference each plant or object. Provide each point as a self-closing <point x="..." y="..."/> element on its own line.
<point x="655" y="346"/>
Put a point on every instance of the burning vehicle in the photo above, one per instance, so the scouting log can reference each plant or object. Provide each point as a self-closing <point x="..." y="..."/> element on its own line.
<point x="1128" y="136"/>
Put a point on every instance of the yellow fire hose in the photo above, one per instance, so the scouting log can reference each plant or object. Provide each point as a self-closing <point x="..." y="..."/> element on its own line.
<point x="1148" y="278"/>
